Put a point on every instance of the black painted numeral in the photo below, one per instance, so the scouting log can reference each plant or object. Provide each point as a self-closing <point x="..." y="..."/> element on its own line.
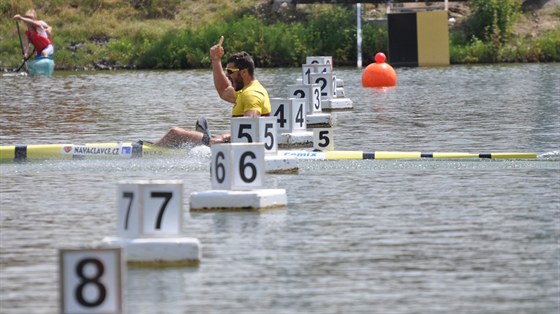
<point x="279" y="114"/>
<point x="130" y="196"/>
<point x="220" y="167"/>
<point x="243" y="166"/>
<point x="92" y="281"/>
<point x="167" y="196"/>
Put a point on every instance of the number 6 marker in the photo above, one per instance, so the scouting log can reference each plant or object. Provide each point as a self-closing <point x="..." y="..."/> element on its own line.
<point x="237" y="166"/>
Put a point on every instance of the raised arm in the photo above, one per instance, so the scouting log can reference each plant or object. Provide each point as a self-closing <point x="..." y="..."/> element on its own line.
<point x="29" y="21"/>
<point x="221" y="82"/>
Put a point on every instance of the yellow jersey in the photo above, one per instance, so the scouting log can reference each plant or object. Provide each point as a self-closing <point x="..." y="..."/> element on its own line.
<point x="251" y="97"/>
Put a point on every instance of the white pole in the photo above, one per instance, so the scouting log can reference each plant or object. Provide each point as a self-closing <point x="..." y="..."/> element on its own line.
<point x="359" y="33"/>
<point x="446" y="5"/>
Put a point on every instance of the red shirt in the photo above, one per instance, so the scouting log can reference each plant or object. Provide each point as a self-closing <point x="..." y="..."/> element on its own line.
<point x="39" y="41"/>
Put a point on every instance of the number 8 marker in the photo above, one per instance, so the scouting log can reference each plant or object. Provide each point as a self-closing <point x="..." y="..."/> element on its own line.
<point x="91" y="280"/>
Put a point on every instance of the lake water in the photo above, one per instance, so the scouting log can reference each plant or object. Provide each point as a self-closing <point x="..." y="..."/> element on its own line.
<point x="372" y="236"/>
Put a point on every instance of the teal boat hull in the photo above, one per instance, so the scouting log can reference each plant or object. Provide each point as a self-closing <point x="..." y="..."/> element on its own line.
<point x="41" y="67"/>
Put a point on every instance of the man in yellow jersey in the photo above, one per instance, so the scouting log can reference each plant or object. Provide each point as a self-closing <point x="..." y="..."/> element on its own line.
<point x="236" y="85"/>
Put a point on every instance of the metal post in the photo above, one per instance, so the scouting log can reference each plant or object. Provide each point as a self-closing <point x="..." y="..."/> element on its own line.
<point x="359" y="33"/>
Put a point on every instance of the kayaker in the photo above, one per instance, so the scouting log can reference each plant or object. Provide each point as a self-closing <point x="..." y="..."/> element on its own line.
<point x="237" y="85"/>
<point x="38" y="33"/>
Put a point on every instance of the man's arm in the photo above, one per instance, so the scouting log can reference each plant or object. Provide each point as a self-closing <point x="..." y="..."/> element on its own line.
<point x="221" y="82"/>
<point x="252" y="114"/>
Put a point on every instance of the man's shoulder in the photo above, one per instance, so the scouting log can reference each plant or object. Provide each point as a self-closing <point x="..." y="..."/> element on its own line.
<point x="255" y="83"/>
<point x="256" y="86"/>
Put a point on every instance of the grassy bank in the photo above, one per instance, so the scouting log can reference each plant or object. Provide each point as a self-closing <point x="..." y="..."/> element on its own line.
<point x="174" y="34"/>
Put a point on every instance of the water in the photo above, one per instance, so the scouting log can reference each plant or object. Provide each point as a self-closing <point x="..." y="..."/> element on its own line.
<point x="382" y="236"/>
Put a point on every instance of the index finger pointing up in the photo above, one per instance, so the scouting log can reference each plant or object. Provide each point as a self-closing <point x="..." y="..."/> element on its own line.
<point x="221" y="41"/>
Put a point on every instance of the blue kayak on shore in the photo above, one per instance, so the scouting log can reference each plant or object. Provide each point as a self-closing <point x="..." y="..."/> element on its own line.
<point x="42" y="66"/>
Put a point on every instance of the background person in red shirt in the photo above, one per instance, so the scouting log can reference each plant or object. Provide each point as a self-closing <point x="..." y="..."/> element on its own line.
<point x="38" y="33"/>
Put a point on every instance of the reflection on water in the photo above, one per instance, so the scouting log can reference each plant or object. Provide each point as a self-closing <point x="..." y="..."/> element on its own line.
<point x="387" y="236"/>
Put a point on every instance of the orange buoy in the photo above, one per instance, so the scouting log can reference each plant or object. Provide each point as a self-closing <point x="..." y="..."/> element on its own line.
<point x="379" y="74"/>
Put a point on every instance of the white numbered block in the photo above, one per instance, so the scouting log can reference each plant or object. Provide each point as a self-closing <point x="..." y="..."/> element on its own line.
<point x="256" y="130"/>
<point x="340" y="92"/>
<point x="339" y="83"/>
<point x="320" y="120"/>
<point x="91" y="280"/>
<point x="150" y="208"/>
<point x="244" y="130"/>
<point x="290" y="114"/>
<point x="325" y="82"/>
<point x="268" y="134"/>
<point x="149" y="224"/>
<point x="308" y="69"/>
<point x="237" y="166"/>
<point x="337" y="104"/>
<point x="323" y="139"/>
<point x="296" y="140"/>
<point x="333" y="85"/>
<point x="311" y="94"/>
<point x="339" y="88"/>
<point x="314" y="102"/>
<point x="319" y="60"/>
<point x="220" y="200"/>
<point x="281" y="164"/>
<point x="158" y="252"/>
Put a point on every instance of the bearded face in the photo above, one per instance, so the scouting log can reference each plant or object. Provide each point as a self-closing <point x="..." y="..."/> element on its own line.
<point x="234" y="76"/>
<point x="237" y="81"/>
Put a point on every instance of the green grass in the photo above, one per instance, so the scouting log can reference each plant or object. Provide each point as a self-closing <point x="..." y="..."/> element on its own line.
<point x="174" y="34"/>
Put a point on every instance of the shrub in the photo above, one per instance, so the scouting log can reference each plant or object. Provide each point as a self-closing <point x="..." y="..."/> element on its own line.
<point x="549" y="44"/>
<point x="492" y="20"/>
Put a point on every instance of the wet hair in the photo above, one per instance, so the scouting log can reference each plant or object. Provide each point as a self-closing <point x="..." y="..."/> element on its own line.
<point x="243" y="60"/>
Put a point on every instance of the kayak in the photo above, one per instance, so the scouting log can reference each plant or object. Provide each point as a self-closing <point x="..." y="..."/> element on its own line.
<point x="81" y="151"/>
<point x="10" y="153"/>
<point x="42" y="66"/>
<point x="361" y="155"/>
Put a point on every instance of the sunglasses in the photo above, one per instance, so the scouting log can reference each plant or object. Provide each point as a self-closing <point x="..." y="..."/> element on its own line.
<point x="229" y="71"/>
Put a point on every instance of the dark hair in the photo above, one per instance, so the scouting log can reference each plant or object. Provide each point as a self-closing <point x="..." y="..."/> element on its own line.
<point x="243" y="60"/>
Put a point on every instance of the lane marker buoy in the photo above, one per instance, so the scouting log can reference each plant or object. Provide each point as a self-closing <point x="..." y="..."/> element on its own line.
<point x="379" y="74"/>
